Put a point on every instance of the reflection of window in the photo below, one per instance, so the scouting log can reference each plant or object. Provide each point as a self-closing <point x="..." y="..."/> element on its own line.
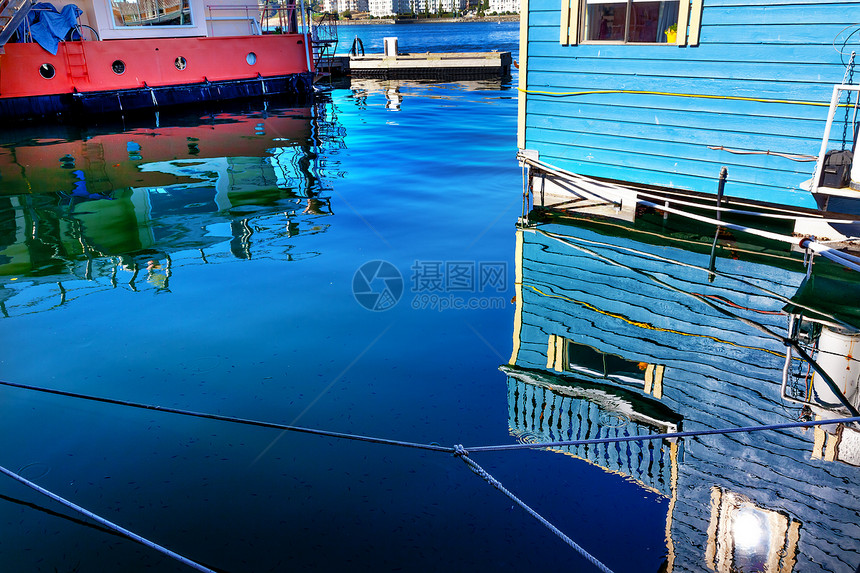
<point x="629" y="21"/>
<point x="151" y="12"/>
<point x="586" y="357"/>
<point x="746" y="538"/>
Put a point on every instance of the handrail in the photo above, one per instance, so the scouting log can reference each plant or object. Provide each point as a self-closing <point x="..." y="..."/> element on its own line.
<point x="254" y="24"/>
<point x="825" y="140"/>
<point x="15" y="20"/>
<point x="284" y="14"/>
<point x="261" y="13"/>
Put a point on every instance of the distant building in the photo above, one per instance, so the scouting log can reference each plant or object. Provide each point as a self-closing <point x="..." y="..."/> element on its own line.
<point x="435" y="6"/>
<point x="338" y="6"/>
<point x="383" y="8"/>
<point x="355" y="5"/>
<point x="502" y="6"/>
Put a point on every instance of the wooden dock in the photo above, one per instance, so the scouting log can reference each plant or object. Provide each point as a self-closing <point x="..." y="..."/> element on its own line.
<point x="442" y="66"/>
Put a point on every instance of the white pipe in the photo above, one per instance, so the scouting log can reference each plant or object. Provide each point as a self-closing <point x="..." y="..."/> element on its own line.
<point x="850" y="261"/>
<point x="834" y="255"/>
<point x="305" y="31"/>
<point x="732" y="211"/>
<point x="640" y="192"/>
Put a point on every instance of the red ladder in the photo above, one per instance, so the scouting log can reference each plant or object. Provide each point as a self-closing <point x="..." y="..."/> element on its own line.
<point x="76" y="60"/>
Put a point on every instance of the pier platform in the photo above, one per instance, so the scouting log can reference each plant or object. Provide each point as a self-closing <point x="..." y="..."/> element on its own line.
<point x="439" y="66"/>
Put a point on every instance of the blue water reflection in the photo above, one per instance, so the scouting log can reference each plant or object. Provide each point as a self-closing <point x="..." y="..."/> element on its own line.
<point x="208" y="262"/>
<point x="624" y="330"/>
<point x="209" y="266"/>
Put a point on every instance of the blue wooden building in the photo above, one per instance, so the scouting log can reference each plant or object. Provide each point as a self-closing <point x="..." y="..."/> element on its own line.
<point x="665" y="93"/>
<point x="608" y="341"/>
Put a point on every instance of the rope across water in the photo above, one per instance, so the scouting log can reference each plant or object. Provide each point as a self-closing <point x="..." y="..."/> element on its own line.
<point x="458" y="451"/>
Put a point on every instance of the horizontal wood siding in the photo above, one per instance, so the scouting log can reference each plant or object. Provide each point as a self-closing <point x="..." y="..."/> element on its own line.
<point x="719" y="373"/>
<point x="766" y="50"/>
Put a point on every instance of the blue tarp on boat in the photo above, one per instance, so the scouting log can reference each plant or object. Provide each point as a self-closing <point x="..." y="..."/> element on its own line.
<point x="47" y="26"/>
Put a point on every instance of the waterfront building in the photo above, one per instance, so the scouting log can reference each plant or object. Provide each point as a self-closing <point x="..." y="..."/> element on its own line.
<point x="435" y="6"/>
<point x="502" y="6"/>
<point x="385" y="8"/>
<point x="339" y="6"/>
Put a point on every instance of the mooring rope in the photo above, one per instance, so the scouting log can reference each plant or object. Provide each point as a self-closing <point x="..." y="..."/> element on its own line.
<point x="667" y="436"/>
<point x="108" y="524"/>
<point x="231" y="419"/>
<point x="433" y="446"/>
<point x="460" y="452"/>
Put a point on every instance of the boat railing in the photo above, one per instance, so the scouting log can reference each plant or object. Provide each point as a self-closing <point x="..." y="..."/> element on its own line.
<point x="240" y="13"/>
<point x="270" y="18"/>
<point x="831" y="114"/>
<point x="12" y="14"/>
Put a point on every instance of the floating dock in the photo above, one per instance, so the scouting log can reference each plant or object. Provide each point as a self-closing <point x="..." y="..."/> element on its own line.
<point x="443" y="66"/>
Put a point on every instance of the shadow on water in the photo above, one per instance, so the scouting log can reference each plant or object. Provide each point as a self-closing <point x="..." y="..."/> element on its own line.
<point x="112" y="203"/>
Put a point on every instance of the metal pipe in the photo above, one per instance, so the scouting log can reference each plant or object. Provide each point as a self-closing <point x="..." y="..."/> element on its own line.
<point x="834" y="255"/>
<point x="724" y="173"/>
<point x="786" y="367"/>
<point x="305" y="33"/>
<point x="824" y="376"/>
<point x="721" y="187"/>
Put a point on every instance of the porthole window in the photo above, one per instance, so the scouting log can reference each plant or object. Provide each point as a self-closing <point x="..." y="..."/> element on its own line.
<point x="47" y="71"/>
<point x="180" y="63"/>
<point x="251" y="58"/>
<point x="118" y="67"/>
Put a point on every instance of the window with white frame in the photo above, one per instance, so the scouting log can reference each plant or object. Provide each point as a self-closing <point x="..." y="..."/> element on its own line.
<point x="634" y="21"/>
<point x="151" y="12"/>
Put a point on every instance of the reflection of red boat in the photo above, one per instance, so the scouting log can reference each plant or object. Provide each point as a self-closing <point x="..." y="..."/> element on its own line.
<point x="70" y="201"/>
<point x="120" y="160"/>
<point x="144" y="54"/>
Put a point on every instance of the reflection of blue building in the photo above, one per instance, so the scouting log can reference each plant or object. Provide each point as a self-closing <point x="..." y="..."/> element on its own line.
<point x="607" y="343"/>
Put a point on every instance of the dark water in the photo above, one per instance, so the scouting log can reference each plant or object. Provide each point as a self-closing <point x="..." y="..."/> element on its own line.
<point x="222" y="262"/>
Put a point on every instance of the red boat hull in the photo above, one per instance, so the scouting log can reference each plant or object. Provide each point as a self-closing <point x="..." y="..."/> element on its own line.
<point x="180" y="70"/>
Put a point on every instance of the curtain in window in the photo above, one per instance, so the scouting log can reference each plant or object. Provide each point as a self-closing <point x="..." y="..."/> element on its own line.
<point x="668" y="16"/>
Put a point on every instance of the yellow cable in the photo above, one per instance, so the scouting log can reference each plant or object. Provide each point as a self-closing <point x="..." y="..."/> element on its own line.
<point x="704" y="96"/>
<point x="647" y="326"/>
